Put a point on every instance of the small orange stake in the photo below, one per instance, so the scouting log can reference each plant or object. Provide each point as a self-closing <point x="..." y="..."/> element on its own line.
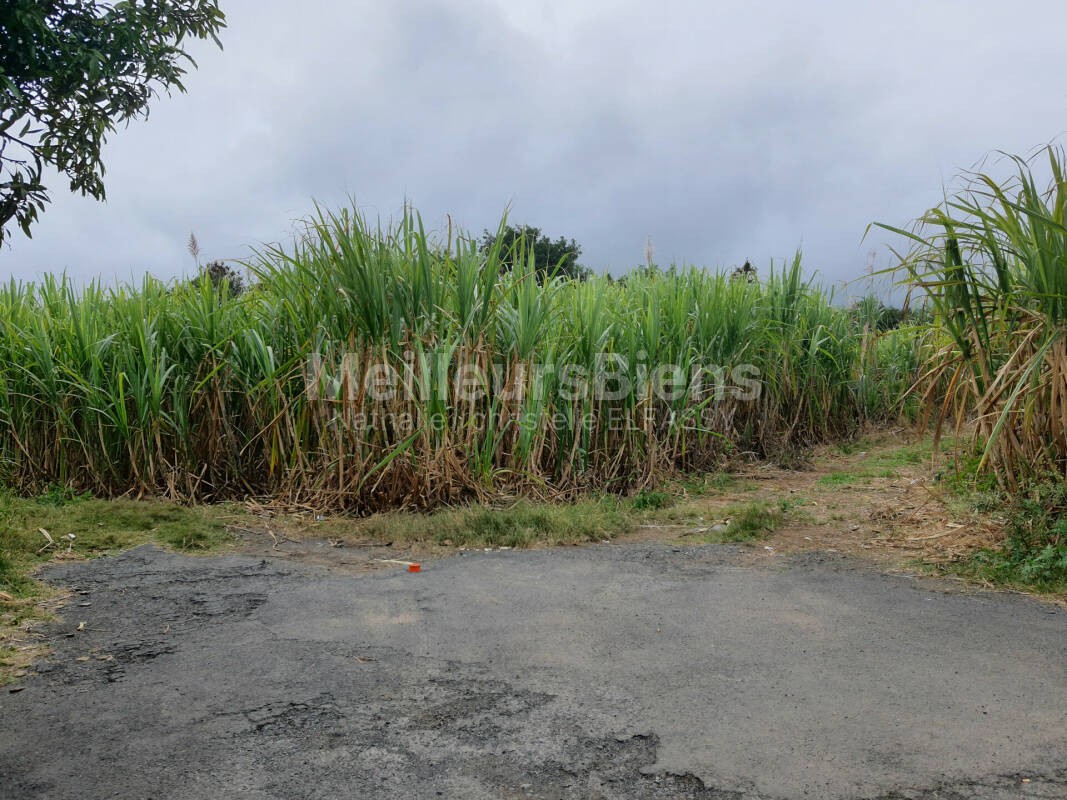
<point x="413" y="566"/>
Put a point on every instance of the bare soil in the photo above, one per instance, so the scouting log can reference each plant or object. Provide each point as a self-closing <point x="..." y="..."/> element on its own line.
<point x="882" y="502"/>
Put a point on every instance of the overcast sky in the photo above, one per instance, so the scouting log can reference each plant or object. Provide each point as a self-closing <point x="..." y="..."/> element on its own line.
<point x="723" y="130"/>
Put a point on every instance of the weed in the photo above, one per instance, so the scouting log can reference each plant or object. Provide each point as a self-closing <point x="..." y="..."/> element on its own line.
<point x="649" y="500"/>
<point x="1020" y="566"/>
<point x="840" y="479"/>
<point x="792" y="457"/>
<point x="721" y="481"/>
<point x="901" y="457"/>
<point x="13" y="579"/>
<point x="850" y="447"/>
<point x="58" y="496"/>
<point x="750" y="521"/>
<point x="1034" y="554"/>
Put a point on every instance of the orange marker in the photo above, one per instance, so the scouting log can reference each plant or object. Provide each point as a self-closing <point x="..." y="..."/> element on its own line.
<point x="413" y="566"/>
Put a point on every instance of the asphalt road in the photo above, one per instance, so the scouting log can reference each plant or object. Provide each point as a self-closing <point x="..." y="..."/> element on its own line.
<point x="613" y="671"/>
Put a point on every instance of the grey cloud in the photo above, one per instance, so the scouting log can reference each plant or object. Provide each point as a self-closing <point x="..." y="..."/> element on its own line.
<point x="724" y="130"/>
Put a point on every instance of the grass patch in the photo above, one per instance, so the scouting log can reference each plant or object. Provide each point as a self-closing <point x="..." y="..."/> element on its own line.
<point x="98" y="527"/>
<point x="963" y="478"/>
<point x="750" y="521"/>
<point x="709" y="482"/>
<point x="841" y="479"/>
<point x="649" y="500"/>
<point x="849" y="447"/>
<point x="1018" y="565"/>
<point x="720" y="481"/>
<point x="1034" y="555"/>
<point x="909" y="456"/>
<point x="882" y="464"/>
<point x="520" y="525"/>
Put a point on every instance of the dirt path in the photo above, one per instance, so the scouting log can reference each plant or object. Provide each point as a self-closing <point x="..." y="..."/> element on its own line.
<point x="880" y="499"/>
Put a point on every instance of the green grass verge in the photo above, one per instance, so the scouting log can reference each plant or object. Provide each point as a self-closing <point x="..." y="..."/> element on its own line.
<point x="98" y="527"/>
<point x="520" y="525"/>
<point x="1033" y="556"/>
<point x="652" y="500"/>
<point x="1018" y="565"/>
<point x="750" y="521"/>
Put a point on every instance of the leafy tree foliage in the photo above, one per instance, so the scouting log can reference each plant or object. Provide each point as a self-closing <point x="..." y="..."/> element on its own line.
<point x="551" y="257"/>
<point x="223" y="277"/>
<point x="871" y="312"/>
<point x="70" y="72"/>
<point x="746" y="272"/>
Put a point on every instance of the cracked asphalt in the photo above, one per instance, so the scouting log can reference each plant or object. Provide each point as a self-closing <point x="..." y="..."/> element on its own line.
<point x="612" y="671"/>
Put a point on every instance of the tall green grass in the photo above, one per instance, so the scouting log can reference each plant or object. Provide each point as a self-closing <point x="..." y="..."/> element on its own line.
<point x="188" y="391"/>
<point x="993" y="260"/>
